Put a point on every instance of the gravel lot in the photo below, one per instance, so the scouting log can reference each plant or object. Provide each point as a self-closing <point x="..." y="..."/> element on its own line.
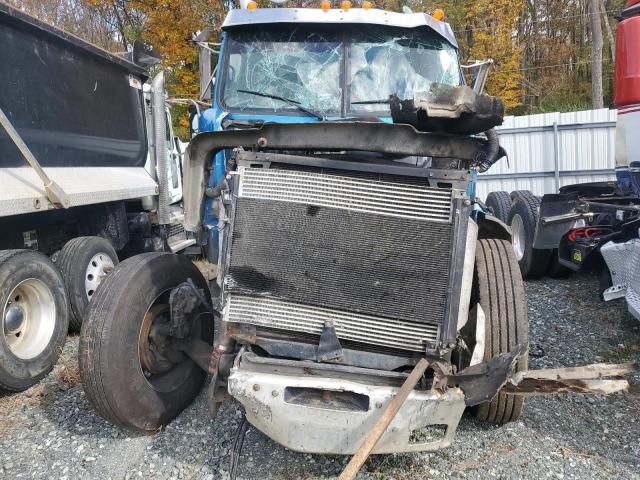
<point x="50" y="431"/>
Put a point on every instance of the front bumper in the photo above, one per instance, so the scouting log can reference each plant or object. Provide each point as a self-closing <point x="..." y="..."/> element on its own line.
<point x="330" y="415"/>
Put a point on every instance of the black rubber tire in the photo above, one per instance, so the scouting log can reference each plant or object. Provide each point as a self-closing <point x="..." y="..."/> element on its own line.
<point x="109" y="361"/>
<point x="604" y="281"/>
<point x="556" y="269"/>
<point x="72" y="261"/>
<point x="535" y="262"/>
<point x="526" y="194"/>
<point x="17" y="374"/>
<point x="500" y="204"/>
<point x="502" y="298"/>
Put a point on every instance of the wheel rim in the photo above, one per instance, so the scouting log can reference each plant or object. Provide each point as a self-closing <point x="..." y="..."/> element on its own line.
<point x="519" y="236"/>
<point x="29" y="318"/>
<point x="164" y="368"/>
<point x="99" y="267"/>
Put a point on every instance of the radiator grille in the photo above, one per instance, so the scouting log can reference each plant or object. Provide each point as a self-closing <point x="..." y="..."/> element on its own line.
<point x="372" y="255"/>
<point x="273" y="313"/>
<point x="356" y="194"/>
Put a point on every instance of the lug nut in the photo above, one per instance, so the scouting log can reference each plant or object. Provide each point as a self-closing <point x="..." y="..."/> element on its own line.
<point x="256" y="387"/>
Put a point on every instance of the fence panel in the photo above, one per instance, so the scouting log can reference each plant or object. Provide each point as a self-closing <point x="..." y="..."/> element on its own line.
<point x="549" y="150"/>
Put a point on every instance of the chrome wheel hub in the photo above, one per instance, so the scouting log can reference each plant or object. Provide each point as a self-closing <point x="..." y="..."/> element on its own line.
<point x="14" y="319"/>
<point x="29" y="318"/>
<point x="99" y="267"/>
<point x="519" y="236"/>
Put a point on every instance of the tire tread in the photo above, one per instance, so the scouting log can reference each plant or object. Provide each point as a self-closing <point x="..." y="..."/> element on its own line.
<point x="502" y="298"/>
<point x="500" y="202"/>
<point x="67" y="264"/>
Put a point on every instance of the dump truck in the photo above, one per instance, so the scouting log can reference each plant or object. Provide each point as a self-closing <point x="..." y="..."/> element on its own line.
<point x="357" y="280"/>
<point x="89" y="173"/>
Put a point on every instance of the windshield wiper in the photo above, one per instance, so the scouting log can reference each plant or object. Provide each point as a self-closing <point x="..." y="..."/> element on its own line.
<point x="285" y="100"/>
<point x="370" y="102"/>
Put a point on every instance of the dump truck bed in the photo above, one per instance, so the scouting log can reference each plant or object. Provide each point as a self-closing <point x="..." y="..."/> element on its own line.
<point x="79" y="109"/>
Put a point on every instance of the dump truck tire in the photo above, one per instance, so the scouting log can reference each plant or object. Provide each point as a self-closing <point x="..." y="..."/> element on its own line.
<point x="500" y="204"/>
<point x="34" y="318"/>
<point x="112" y="341"/>
<point x="84" y="262"/>
<point x="501" y="295"/>
<point x="523" y="218"/>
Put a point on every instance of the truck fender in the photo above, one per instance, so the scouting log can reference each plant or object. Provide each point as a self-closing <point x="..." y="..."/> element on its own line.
<point x="491" y="227"/>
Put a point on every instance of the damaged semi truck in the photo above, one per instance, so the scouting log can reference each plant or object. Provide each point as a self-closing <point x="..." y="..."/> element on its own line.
<point x="89" y="171"/>
<point x="334" y="194"/>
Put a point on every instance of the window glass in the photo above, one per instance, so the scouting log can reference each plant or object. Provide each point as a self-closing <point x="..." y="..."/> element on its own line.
<point x="300" y="66"/>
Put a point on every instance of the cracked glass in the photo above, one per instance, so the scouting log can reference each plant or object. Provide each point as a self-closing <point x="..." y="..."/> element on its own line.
<point x="396" y="61"/>
<point x="321" y="71"/>
<point x="298" y="65"/>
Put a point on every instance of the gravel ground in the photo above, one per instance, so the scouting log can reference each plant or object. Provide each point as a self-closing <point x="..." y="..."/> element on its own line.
<point x="50" y="431"/>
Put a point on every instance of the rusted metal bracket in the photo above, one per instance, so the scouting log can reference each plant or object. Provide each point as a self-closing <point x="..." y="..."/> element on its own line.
<point x="54" y="193"/>
<point x="589" y="379"/>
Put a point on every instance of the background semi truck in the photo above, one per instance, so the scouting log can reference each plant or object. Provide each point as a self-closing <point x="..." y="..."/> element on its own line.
<point x="564" y="232"/>
<point x="89" y="173"/>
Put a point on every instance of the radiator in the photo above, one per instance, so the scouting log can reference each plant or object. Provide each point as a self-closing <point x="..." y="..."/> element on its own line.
<point x="273" y="313"/>
<point x="372" y="255"/>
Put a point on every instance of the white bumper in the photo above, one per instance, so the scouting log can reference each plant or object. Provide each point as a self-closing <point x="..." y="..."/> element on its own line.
<point x="311" y="414"/>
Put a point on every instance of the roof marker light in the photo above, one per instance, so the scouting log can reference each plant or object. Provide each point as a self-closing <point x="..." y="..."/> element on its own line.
<point x="252" y="5"/>
<point x="438" y="14"/>
<point x="345" y="5"/>
<point x="367" y="5"/>
<point x="325" y="5"/>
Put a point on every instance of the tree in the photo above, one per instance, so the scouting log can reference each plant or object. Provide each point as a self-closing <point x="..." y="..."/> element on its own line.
<point x="492" y="28"/>
<point x="596" y="55"/>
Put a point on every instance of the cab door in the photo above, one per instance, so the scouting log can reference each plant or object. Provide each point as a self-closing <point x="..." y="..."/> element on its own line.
<point x="175" y="163"/>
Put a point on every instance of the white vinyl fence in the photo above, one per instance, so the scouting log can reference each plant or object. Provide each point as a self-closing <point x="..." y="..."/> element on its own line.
<point x="549" y="150"/>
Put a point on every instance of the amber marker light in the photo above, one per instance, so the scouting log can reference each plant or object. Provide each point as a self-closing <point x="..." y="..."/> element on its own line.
<point x="325" y="5"/>
<point x="438" y="14"/>
<point x="367" y="5"/>
<point x="252" y="6"/>
<point x="345" y="5"/>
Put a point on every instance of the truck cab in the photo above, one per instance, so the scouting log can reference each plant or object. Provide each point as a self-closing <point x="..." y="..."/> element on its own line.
<point x="329" y="185"/>
<point x="324" y="65"/>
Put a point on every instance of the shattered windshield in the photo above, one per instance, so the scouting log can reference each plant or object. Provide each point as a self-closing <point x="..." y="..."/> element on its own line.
<point x="315" y="70"/>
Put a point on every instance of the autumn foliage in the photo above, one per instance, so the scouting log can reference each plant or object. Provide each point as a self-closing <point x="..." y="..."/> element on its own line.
<point x="542" y="49"/>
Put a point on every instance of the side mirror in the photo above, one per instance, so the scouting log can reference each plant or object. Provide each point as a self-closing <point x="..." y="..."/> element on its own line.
<point x="479" y="72"/>
<point x="194" y="120"/>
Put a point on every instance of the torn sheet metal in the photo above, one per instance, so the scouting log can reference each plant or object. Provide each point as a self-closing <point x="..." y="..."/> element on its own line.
<point x="481" y="383"/>
<point x="449" y="109"/>
<point x="623" y="261"/>
<point x="589" y="379"/>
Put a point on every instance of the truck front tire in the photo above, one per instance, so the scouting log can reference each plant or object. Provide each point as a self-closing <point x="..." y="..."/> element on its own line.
<point x="34" y="318"/>
<point x="84" y="262"/>
<point x="500" y="292"/>
<point x="115" y="337"/>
